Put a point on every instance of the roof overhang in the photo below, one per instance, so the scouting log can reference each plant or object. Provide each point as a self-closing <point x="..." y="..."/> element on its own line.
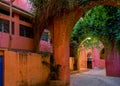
<point x="6" y="5"/>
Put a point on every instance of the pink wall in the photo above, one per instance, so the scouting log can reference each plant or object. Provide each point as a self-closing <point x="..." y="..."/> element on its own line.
<point x="96" y="61"/>
<point x="23" y="4"/>
<point x="96" y="58"/>
<point x="20" y="42"/>
<point x="112" y="61"/>
<point x="45" y="46"/>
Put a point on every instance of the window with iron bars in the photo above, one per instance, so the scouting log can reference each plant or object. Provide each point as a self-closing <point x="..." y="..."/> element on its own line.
<point x="26" y="31"/>
<point x="4" y="26"/>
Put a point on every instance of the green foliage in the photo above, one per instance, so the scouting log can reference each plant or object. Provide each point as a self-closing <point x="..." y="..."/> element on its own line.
<point x="100" y="23"/>
<point x="38" y="4"/>
<point x="54" y="70"/>
<point x="93" y="42"/>
<point x="48" y="9"/>
<point x="54" y="73"/>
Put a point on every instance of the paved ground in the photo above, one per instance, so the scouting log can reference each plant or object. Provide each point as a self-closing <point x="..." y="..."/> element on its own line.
<point x="95" y="77"/>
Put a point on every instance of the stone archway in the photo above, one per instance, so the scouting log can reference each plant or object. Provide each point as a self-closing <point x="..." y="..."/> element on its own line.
<point x="61" y="29"/>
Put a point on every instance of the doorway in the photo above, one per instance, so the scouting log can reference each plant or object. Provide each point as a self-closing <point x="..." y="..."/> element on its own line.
<point x="89" y="61"/>
<point x="1" y="70"/>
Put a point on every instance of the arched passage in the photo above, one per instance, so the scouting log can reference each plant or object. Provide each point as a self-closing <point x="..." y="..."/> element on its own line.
<point x="61" y="29"/>
<point x="89" y="56"/>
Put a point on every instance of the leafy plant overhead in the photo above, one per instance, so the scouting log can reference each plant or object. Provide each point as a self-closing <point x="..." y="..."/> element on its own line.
<point x="47" y="9"/>
<point x="100" y="23"/>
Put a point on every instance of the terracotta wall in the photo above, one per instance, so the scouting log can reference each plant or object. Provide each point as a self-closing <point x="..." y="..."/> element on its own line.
<point x="82" y="60"/>
<point x="24" y="69"/>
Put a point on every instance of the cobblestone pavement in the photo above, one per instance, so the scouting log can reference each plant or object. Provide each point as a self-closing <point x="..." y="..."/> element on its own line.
<point x="95" y="77"/>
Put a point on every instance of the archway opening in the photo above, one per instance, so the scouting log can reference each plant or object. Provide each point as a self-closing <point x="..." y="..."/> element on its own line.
<point x="46" y="42"/>
<point x="100" y="23"/>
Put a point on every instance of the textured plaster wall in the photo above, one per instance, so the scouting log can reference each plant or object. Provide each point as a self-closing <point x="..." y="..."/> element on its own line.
<point x="82" y="60"/>
<point x="24" y="69"/>
<point x="71" y="63"/>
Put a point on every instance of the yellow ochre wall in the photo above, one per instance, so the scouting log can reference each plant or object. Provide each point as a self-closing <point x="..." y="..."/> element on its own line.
<point x="24" y="69"/>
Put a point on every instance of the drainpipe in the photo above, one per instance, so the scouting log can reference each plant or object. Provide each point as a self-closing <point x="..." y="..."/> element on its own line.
<point x="10" y="26"/>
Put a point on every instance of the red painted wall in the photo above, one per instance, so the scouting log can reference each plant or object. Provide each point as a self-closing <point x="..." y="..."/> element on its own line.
<point x="20" y="42"/>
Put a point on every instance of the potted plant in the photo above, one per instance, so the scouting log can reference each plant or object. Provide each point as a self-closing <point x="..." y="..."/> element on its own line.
<point x="54" y="71"/>
<point x="53" y="79"/>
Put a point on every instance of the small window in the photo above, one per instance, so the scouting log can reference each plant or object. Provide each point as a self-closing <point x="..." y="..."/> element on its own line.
<point x="6" y="12"/>
<point x="25" y="19"/>
<point x="44" y="36"/>
<point x="26" y="31"/>
<point x="4" y="26"/>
